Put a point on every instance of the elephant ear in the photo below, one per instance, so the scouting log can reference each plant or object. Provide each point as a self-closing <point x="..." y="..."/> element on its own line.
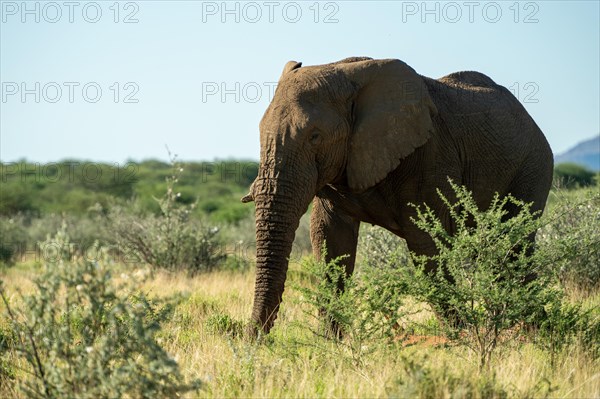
<point x="290" y="66"/>
<point x="392" y="113"/>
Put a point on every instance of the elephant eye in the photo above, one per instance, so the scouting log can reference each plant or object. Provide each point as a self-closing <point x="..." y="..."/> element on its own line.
<point x="315" y="137"/>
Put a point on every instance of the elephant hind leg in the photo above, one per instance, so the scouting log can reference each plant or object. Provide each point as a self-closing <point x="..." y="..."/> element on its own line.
<point x="533" y="182"/>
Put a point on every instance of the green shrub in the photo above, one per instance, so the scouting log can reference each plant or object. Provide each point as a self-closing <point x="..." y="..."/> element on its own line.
<point x="171" y="240"/>
<point x="324" y="294"/>
<point x="480" y="287"/>
<point x="231" y="212"/>
<point x="367" y="311"/>
<point x="21" y="233"/>
<point x="221" y="323"/>
<point x="79" y="338"/>
<point x="565" y="324"/>
<point x="572" y="175"/>
<point x="13" y="239"/>
<point x="84" y="229"/>
<point x="572" y="232"/>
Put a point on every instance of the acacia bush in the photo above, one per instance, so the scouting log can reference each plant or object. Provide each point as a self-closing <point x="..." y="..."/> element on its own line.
<point x="367" y="312"/>
<point x="171" y="240"/>
<point x="79" y="334"/>
<point x="482" y="287"/>
<point x="490" y="286"/>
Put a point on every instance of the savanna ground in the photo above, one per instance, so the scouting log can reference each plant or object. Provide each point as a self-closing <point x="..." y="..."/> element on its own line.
<point x="198" y="314"/>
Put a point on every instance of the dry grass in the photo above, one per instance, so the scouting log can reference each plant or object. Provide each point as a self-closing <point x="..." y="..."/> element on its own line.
<point x="292" y="362"/>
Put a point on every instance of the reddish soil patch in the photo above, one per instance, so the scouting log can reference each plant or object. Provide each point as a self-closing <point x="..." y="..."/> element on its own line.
<point x="423" y="340"/>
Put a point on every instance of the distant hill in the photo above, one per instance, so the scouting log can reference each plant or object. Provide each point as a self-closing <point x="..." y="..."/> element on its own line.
<point x="586" y="153"/>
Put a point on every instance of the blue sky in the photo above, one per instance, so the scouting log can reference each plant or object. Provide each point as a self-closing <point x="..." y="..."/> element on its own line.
<point x="197" y="76"/>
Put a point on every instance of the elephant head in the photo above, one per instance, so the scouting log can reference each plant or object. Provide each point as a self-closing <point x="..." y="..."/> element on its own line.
<point x="348" y="123"/>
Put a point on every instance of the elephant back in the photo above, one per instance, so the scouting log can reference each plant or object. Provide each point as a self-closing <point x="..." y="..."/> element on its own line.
<point x="469" y="78"/>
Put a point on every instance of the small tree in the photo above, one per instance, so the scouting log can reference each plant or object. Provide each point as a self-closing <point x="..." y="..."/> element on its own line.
<point x="481" y="288"/>
<point x="172" y="240"/>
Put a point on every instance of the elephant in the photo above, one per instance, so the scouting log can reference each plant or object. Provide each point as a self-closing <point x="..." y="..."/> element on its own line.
<point x="362" y="139"/>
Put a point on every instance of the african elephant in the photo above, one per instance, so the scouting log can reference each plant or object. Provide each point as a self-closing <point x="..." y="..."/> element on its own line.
<point x="363" y="138"/>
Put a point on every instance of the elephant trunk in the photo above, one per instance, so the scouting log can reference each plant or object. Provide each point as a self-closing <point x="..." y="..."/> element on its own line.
<point x="278" y="211"/>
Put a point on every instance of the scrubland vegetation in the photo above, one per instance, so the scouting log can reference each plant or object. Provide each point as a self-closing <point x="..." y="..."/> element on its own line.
<point x="140" y="285"/>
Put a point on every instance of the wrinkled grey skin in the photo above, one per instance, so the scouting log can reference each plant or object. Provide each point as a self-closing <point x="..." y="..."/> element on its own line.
<point x="362" y="138"/>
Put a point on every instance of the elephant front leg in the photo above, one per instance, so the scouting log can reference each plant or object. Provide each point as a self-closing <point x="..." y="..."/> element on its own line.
<point x="339" y="233"/>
